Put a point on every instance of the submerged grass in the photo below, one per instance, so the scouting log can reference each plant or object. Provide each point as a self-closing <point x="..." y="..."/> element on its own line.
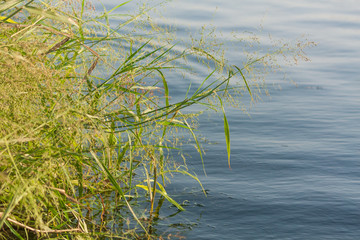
<point x="87" y="122"/>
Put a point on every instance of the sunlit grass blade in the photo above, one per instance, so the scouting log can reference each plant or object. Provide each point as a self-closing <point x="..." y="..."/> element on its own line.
<point x="51" y="15"/>
<point x="5" y="5"/>
<point x="8" y="20"/>
<point x="164" y="194"/>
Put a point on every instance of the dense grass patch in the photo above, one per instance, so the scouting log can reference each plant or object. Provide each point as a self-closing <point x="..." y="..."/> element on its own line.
<point x="87" y="123"/>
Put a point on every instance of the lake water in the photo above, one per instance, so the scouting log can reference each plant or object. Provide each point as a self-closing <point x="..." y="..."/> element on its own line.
<point x="296" y="160"/>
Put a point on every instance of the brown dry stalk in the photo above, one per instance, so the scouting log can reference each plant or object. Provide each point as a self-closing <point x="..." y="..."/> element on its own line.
<point x="38" y="230"/>
<point x="58" y="45"/>
<point x="92" y="67"/>
<point x="62" y="191"/>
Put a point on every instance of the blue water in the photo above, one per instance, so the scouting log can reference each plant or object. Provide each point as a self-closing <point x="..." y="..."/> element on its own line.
<point x="295" y="163"/>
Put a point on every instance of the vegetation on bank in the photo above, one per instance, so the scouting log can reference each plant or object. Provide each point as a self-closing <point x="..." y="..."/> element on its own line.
<point x="87" y="122"/>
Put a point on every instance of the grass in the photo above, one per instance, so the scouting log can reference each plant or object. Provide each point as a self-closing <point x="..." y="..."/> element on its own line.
<point x="88" y="124"/>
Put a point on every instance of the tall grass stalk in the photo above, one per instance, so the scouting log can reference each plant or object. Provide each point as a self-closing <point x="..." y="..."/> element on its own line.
<point x="88" y="123"/>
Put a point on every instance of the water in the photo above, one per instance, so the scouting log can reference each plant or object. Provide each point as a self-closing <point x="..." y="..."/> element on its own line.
<point x="295" y="161"/>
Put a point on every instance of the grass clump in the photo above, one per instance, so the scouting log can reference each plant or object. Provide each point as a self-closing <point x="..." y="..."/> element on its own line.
<point x="88" y="123"/>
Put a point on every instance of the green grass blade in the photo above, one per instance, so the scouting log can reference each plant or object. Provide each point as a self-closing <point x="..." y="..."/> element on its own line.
<point x="8" y="20"/>
<point x="163" y="193"/>
<point x="165" y="87"/>
<point x="247" y="85"/>
<point x="51" y="15"/>
<point x="188" y="174"/>
<point x="6" y="5"/>
<point x="120" y="5"/>
<point x="226" y="130"/>
<point x="13" y="230"/>
<point x="197" y="143"/>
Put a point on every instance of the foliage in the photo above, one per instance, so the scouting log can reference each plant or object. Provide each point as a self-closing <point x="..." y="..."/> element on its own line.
<point x="88" y="124"/>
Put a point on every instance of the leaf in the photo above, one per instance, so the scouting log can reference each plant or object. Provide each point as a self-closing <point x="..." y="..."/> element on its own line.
<point x="9" y="4"/>
<point x="174" y="123"/>
<point x="144" y="87"/>
<point x="227" y="137"/>
<point x="51" y="15"/>
<point x="7" y="20"/>
<point x="226" y="131"/>
<point x="122" y="4"/>
<point x="197" y="144"/>
<point x="164" y="194"/>
<point x="247" y="86"/>
<point x="165" y="87"/>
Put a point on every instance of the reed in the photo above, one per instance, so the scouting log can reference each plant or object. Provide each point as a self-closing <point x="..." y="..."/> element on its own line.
<point x="87" y="122"/>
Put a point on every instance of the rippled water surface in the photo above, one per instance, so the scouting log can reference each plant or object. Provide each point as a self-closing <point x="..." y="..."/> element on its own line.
<point x="296" y="160"/>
